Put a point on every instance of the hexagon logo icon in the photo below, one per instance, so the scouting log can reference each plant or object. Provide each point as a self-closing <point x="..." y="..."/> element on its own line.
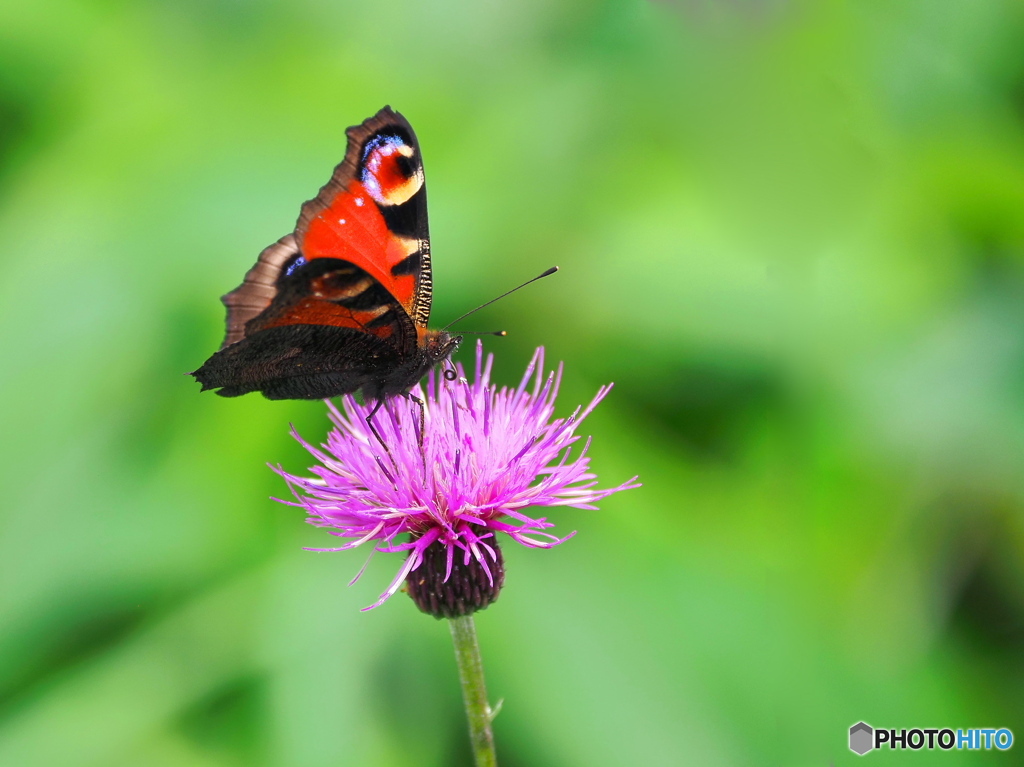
<point x="861" y="738"/>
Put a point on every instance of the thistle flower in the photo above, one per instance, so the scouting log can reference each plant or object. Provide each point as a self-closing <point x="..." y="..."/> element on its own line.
<point x="452" y="472"/>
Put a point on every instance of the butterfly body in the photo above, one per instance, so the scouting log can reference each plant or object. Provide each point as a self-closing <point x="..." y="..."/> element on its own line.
<point x="342" y="303"/>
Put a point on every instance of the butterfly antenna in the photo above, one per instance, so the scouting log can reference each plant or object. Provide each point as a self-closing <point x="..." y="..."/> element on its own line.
<point x="549" y="272"/>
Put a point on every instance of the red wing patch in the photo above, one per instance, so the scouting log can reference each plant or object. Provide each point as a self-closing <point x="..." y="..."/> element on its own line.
<point x="353" y="229"/>
<point x="338" y="294"/>
<point x="342" y="297"/>
<point x="316" y="311"/>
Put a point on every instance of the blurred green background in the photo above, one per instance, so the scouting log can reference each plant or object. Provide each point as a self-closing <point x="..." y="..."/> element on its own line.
<point x="791" y="232"/>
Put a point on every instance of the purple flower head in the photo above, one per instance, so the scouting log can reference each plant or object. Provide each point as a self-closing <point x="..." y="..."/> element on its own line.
<point x="485" y="456"/>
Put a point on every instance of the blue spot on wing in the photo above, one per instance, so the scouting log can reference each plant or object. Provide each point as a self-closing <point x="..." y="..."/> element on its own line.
<point x="382" y="139"/>
<point x="370" y="163"/>
<point x="298" y="262"/>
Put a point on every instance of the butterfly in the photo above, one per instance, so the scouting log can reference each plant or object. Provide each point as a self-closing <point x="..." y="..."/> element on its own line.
<point x="341" y="304"/>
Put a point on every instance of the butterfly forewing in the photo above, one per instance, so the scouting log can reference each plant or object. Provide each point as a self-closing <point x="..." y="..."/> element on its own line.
<point x="258" y="289"/>
<point x="373" y="212"/>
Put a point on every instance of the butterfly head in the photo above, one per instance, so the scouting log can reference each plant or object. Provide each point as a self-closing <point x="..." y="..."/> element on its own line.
<point x="439" y="345"/>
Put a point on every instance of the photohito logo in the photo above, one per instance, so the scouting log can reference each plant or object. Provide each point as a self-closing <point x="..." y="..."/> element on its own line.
<point x="864" y="738"/>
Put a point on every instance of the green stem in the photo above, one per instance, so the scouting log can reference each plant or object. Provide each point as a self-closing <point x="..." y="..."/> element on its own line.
<point x="474" y="692"/>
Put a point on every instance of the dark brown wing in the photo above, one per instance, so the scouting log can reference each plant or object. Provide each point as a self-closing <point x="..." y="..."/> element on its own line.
<point x="330" y="329"/>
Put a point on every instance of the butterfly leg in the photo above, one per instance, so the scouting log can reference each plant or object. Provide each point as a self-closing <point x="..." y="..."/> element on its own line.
<point x="420" y="428"/>
<point x="423" y="419"/>
<point x="372" y="428"/>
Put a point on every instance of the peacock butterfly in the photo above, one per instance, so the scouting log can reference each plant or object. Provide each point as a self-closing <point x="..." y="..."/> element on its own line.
<point x="341" y="304"/>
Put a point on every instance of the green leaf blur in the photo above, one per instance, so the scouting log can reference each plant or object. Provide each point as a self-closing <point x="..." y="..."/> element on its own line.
<point x="792" y="233"/>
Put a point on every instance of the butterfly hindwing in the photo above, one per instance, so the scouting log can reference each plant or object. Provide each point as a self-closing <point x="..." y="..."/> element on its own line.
<point x="299" y="362"/>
